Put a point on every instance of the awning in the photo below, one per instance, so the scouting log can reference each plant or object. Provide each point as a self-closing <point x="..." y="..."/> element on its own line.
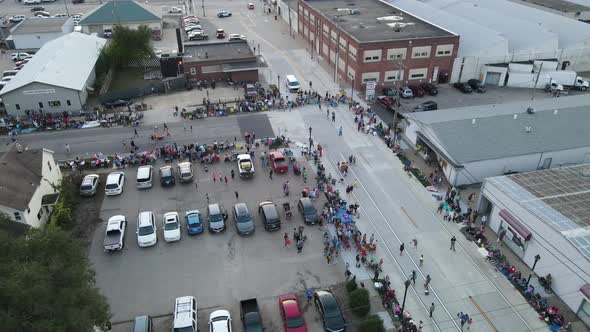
<point x="49" y="199"/>
<point x="438" y="151"/>
<point x="586" y="291"/>
<point x="516" y="225"/>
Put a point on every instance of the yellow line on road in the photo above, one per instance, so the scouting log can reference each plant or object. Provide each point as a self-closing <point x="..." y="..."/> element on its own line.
<point x="483" y="313"/>
<point x="408" y="215"/>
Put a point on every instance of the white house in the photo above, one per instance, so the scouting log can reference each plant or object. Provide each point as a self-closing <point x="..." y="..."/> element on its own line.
<point x="34" y="32"/>
<point x="546" y="213"/>
<point x="28" y="183"/>
<point x="58" y="77"/>
<point x="476" y="142"/>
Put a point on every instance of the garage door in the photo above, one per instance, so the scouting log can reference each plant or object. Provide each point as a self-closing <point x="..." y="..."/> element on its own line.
<point x="493" y="78"/>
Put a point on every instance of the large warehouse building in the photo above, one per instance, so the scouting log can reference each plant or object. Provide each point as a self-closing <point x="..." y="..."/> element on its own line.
<point x="547" y="213"/>
<point x="57" y="78"/>
<point x="477" y="142"/>
<point x="373" y="41"/>
<point x="501" y="32"/>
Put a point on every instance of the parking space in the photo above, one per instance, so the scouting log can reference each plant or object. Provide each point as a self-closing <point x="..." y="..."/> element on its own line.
<point x="218" y="269"/>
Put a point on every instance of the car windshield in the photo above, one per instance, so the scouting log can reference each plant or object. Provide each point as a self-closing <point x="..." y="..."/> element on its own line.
<point x="146" y="230"/>
<point x="243" y="217"/>
<point x="279" y="161"/>
<point x="293" y="83"/>
<point x="193" y="219"/>
<point x="185" y="174"/>
<point x="249" y="89"/>
<point x="184" y="329"/>
<point x="112" y="186"/>
<point x="294" y="322"/>
<point x="86" y="187"/>
<point x="113" y="232"/>
<point x="166" y="173"/>
<point x="309" y="209"/>
<point x="171" y="225"/>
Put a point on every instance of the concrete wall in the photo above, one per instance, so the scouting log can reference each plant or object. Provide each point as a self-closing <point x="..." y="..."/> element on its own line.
<point x="34" y="41"/>
<point x="29" y="96"/>
<point x="558" y="256"/>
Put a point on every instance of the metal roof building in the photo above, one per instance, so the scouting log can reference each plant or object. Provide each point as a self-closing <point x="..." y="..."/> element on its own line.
<point x="473" y="143"/>
<point x="126" y="13"/>
<point x="57" y="77"/>
<point x="546" y="213"/>
<point x="34" y="32"/>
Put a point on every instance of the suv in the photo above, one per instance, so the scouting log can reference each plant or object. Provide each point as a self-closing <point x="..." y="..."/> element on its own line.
<point x="89" y="185"/>
<point x="114" y="185"/>
<point x="216" y="216"/>
<point x="185" y="314"/>
<point x="166" y="176"/>
<point x="243" y="219"/>
<point x="431" y="89"/>
<point x="463" y="87"/>
<point x="417" y="90"/>
<point x="185" y="172"/>
<point x="329" y="310"/>
<point x="270" y="216"/>
<point x="146" y="229"/>
<point x="477" y="85"/>
<point x="406" y="92"/>
<point x="307" y="210"/>
<point x="426" y="106"/>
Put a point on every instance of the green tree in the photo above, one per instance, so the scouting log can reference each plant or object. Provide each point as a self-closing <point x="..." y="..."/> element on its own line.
<point x="359" y="302"/>
<point x="372" y="323"/>
<point x="46" y="284"/>
<point x="129" y="45"/>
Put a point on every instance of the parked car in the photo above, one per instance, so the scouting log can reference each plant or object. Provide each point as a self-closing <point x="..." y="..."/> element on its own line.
<point x="185" y="314"/>
<point x="465" y="88"/>
<point x="31" y="2"/>
<point x="426" y="106"/>
<point x="307" y="210"/>
<point x="291" y="314"/>
<point x="220" y="33"/>
<point x="42" y="14"/>
<point x="89" y="185"/>
<point x="431" y="89"/>
<point x="144" y="177"/>
<point x="278" y="162"/>
<point x="271" y="219"/>
<point x="199" y="35"/>
<point x="417" y="91"/>
<point x="245" y="166"/>
<point x="250" y="90"/>
<point x="114" y="184"/>
<point x="387" y="102"/>
<point x="185" y="172"/>
<point x="220" y="321"/>
<point x="194" y="225"/>
<point x="114" y="236"/>
<point x="406" y="92"/>
<point x="77" y="1"/>
<point x="174" y="10"/>
<point x="19" y="56"/>
<point x="192" y="20"/>
<point x="250" y="316"/>
<point x="236" y="37"/>
<point x="171" y="225"/>
<point x="243" y="219"/>
<point x="37" y="8"/>
<point x="143" y="324"/>
<point x="167" y="176"/>
<point x="250" y="5"/>
<point x="48" y="0"/>
<point x="107" y="33"/>
<point x="61" y="15"/>
<point x="146" y="229"/>
<point x="216" y="217"/>
<point x="193" y="27"/>
<point x="117" y="103"/>
<point x="329" y="310"/>
<point x="17" y="18"/>
<point x="477" y="85"/>
<point x="223" y="13"/>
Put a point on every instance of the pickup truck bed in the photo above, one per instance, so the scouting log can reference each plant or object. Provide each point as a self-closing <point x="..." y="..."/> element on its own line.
<point x="112" y="240"/>
<point x="250" y="315"/>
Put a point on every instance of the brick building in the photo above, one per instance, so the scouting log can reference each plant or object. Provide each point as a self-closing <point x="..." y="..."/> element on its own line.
<point x="220" y="61"/>
<point x="371" y="39"/>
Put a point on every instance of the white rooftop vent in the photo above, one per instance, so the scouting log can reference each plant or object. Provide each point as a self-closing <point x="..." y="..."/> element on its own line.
<point x="515" y="116"/>
<point x="530" y="110"/>
<point x="390" y="18"/>
<point x="398" y="25"/>
<point x="528" y="129"/>
<point x="473" y="121"/>
<point x="555" y="112"/>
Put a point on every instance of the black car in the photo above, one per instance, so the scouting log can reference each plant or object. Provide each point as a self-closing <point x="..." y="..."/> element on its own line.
<point x="431" y="89"/>
<point x="117" y="103"/>
<point x="307" y="210"/>
<point x="327" y="306"/>
<point x="270" y="215"/>
<point x="477" y="85"/>
<point x="426" y="106"/>
<point x="465" y="88"/>
<point x="167" y="176"/>
<point x="38" y="9"/>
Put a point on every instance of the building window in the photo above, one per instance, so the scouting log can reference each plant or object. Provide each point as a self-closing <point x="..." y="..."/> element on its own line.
<point x="393" y="75"/>
<point x="49" y="165"/>
<point x="444" y="50"/>
<point x="17" y="106"/>
<point x="55" y="103"/>
<point x="372" y="56"/>
<point x="396" y="53"/>
<point x="418" y="74"/>
<point x="17" y="216"/>
<point x="352" y="52"/>
<point x="326" y="30"/>
<point x="193" y="71"/>
<point x="69" y="102"/>
<point x="351" y="73"/>
<point x="40" y="213"/>
<point x="40" y="104"/>
<point x="420" y="52"/>
<point x="374" y="76"/>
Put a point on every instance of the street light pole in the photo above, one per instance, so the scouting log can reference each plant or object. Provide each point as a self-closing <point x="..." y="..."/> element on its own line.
<point x="279" y="84"/>
<point x="407" y="284"/>
<point x="310" y="142"/>
<point x="203" y="6"/>
<point x="537" y="258"/>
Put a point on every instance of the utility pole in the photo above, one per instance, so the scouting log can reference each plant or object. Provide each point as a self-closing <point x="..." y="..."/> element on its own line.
<point x="537" y="81"/>
<point x="336" y="18"/>
<point x="398" y="102"/>
<point x="203" y="6"/>
<point x="66" y="5"/>
<point x="289" y="12"/>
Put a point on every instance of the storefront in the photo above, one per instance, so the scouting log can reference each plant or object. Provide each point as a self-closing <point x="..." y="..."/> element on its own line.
<point x="513" y="233"/>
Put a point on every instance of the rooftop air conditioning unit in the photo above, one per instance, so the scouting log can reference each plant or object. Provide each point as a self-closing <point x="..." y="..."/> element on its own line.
<point x="530" y="110"/>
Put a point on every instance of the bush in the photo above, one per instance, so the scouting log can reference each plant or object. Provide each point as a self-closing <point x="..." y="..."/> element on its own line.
<point x="351" y="286"/>
<point x="372" y="323"/>
<point x="359" y="302"/>
<point x="64" y="208"/>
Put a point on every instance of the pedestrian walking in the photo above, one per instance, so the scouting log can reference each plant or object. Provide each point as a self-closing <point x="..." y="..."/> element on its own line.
<point x="224" y="179"/>
<point x="214" y="176"/>
<point x="328" y="258"/>
<point x="413" y="277"/>
<point x="376" y="275"/>
<point x="453" y="240"/>
<point x="191" y="128"/>
<point x="320" y="105"/>
<point x="207" y="197"/>
<point x="287" y="240"/>
<point x="340" y="131"/>
<point x="233" y="174"/>
<point x="420" y="326"/>
<point x="237" y="195"/>
<point x="358" y="260"/>
<point x="327" y="113"/>
<point x="299" y="246"/>
<point x="415" y="243"/>
<point x="427" y="283"/>
<point x="309" y="295"/>
<point x="270" y="174"/>
<point x="421" y="260"/>
<point x="347" y="274"/>
<point x="333" y="116"/>
<point x="135" y="134"/>
<point x="68" y="149"/>
<point x="401" y="249"/>
<point x="431" y="309"/>
<point x="296" y="235"/>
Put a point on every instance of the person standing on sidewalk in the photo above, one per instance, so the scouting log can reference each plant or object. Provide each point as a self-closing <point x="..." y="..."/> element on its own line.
<point x="431" y="309"/>
<point x="299" y="246"/>
<point x="287" y="240"/>
<point x="270" y="174"/>
<point x="340" y="131"/>
<point x="333" y="116"/>
<point x="427" y="284"/>
<point x="453" y="240"/>
<point x="415" y="243"/>
<point x="401" y="249"/>
<point x="358" y="260"/>
<point x="421" y="260"/>
<point x="413" y="277"/>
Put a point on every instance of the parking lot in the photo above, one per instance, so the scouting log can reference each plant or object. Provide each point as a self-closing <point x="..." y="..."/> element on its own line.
<point x="218" y="269"/>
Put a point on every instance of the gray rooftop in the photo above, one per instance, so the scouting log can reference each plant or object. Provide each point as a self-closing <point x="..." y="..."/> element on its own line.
<point x="488" y="132"/>
<point x="376" y="20"/>
<point x="20" y="174"/>
<point x="560" y="197"/>
<point x="560" y="5"/>
<point x="217" y="51"/>
<point x="39" y="25"/>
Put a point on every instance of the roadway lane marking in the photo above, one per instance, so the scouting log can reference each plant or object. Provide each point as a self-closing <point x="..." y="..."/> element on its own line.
<point x="482" y="312"/>
<point x="408" y="215"/>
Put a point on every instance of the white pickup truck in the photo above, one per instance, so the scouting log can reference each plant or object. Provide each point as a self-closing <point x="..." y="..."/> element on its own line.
<point x="114" y="236"/>
<point x="245" y="165"/>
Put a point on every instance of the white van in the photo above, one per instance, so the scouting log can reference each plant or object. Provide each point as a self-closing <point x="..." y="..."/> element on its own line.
<point x="292" y="83"/>
<point x="144" y="177"/>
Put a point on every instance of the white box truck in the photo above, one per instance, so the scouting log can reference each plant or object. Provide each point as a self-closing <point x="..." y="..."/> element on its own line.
<point x="568" y="78"/>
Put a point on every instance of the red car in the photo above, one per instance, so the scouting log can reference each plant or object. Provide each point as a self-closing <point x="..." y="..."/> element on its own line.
<point x="386" y="101"/>
<point x="292" y="318"/>
<point x="417" y="90"/>
<point x="278" y="162"/>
